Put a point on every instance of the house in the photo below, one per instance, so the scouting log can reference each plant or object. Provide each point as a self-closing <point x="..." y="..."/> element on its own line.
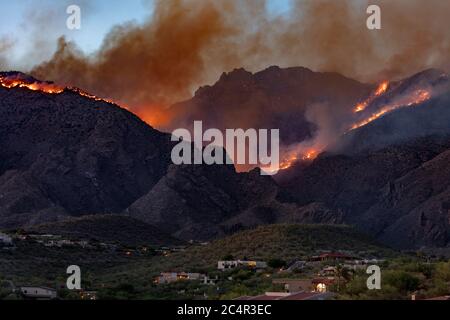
<point x="38" y="293"/>
<point x="322" y="284"/>
<point x="328" y="271"/>
<point x="332" y="256"/>
<point x="226" y="265"/>
<point x="166" y="277"/>
<point x="169" y="277"/>
<point x="210" y="281"/>
<point x="88" y="295"/>
<point x="295" y="285"/>
<point x="5" y="239"/>
<point x="289" y="296"/>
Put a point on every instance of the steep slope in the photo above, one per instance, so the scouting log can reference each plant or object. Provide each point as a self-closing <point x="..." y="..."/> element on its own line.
<point x="68" y="154"/>
<point x="402" y="125"/>
<point x="191" y="201"/>
<point x="272" y="98"/>
<point x="414" y="210"/>
<point x="65" y="153"/>
<point x="388" y="177"/>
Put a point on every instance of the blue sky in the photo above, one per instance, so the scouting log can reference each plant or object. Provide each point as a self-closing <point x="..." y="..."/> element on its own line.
<point x="98" y="16"/>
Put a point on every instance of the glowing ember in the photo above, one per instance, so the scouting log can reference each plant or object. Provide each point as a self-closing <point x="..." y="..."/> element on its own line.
<point x="21" y="81"/>
<point x="88" y="95"/>
<point x="15" y="82"/>
<point x="293" y="158"/>
<point x="382" y="88"/>
<point x="417" y="97"/>
<point x="287" y="163"/>
<point x="310" y="155"/>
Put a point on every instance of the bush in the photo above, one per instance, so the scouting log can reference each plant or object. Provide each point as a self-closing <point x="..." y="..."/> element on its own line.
<point x="401" y="280"/>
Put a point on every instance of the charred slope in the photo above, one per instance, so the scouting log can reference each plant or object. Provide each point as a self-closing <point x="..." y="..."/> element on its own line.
<point x="272" y="98"/>
<point x="390" y="177"/>
<point x="191" y="202"/>
<point x="66" y="154"/>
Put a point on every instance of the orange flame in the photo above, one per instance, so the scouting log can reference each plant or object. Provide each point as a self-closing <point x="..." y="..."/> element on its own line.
<point x="382" y="88"/>
<point x="42" y="86"/>
<point x="417" y="97"/>
<point x="35" y="86"/>
<point x="293" y="158"/>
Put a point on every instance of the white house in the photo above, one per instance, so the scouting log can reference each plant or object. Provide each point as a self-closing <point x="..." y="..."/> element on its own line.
<point x="226" y="265"/>
<point x="5" y="239"/>
<point x="169" y="277"/>
<point x="39" y="293"/>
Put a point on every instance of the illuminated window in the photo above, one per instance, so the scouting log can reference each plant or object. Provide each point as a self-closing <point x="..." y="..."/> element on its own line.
<point x="321" y="287"/>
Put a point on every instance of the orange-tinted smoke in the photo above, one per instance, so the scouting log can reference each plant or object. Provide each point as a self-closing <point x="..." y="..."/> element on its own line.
<point x="188" y="43"/>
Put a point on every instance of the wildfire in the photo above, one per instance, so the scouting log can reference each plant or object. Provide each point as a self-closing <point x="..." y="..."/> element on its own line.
<point x="22" y="81"/>
<point x="15" y="82"/>
<point x="160" y="119"/>
<point x="382" y="88"/>
<point x="88" y="95"/>
<point x="293" y="158"/>
<point x="417" y="97"/>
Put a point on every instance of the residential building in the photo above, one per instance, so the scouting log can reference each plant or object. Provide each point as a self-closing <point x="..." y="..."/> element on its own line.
<point x="5" y="239"/>
<point x="88" y="295"/>
<point x="328" y="271"/>
<point x="323" y="284"/>
<point x="169" y="277"/>
<point x="332" y="256"/>
<point x="295" y="285"/>
<point x="38" y="293"/>
<point x="226" y="265"/>
<point x="210" y="281"/>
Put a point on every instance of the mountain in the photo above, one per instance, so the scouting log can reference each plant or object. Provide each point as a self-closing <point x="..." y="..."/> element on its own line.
<point x="388" y="177"/>
<point x="272" y="98"/>
<point x="66" y="154"/>
<point x="190" y="202"/>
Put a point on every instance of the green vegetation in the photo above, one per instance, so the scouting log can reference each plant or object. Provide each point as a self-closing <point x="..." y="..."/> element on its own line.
<point x="117" y="275"/>
<point x="402" y="278"/>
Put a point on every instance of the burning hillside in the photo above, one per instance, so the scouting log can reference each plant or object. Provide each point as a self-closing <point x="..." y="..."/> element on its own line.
<point x="85" y="158"/>
<point x="21" y="80"/>
<point x="307" y="145"/>
<point x="411" y="99"/>
<point x="15" y="79"/>
<point x="387" y="97"/>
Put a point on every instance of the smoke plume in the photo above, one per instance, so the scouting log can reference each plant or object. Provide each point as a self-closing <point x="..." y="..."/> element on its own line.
<point x="188" y="43"/>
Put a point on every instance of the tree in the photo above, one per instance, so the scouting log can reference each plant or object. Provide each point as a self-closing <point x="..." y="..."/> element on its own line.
<point x="342" y="273"/>
<point x="403" y="281"/>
